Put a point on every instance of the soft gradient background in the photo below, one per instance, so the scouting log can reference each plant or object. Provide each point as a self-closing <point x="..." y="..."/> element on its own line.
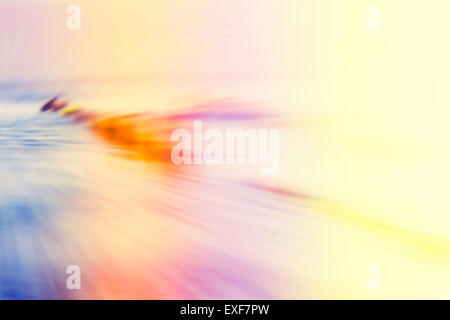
<point x="364" y="176"/>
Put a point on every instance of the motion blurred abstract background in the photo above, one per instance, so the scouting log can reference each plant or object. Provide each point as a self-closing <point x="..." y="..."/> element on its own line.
<point x="364" y="177"/>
